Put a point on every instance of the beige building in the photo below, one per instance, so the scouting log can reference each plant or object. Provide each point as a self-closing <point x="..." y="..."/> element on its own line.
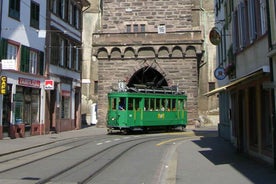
<point x="91" y="24"/>
<point x="244" y="98"/>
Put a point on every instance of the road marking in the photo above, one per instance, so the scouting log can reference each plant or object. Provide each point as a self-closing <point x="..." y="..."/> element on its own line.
<point x="176" y="139"/>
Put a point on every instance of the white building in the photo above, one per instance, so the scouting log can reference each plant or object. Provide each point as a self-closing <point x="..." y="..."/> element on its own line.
<point x="22" y="55"/>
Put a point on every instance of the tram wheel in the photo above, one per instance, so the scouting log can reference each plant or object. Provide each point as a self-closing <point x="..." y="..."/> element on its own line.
<point x="109" y="131"/>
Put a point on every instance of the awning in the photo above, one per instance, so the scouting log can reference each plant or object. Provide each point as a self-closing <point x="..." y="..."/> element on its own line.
<point x="264" y="69"/>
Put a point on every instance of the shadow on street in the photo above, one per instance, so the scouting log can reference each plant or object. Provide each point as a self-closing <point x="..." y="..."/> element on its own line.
<point x="219" y="151"/>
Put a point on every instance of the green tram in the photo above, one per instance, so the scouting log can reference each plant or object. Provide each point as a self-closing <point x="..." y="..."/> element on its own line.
<point x="144" y="110"/>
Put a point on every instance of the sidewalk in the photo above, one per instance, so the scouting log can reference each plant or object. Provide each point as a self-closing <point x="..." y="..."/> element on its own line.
<point x="8" y="145"/>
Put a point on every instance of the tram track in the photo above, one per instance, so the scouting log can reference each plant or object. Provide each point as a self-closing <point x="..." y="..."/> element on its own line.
<point x="28" y="158"/>
<point x="104" y="158"/>
<point x="102" y="152"/>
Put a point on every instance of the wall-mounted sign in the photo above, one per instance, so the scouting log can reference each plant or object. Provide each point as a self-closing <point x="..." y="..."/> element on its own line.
<point x="219" y="73"/>
<point x="3" y="87"/>
<point x="8" y="64"/>
<point x="49" y="85"/>
<point x="28" y="82"/>
<point x="214" y="36"/>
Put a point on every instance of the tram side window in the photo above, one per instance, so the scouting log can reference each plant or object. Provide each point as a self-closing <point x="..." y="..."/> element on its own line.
<point x="173" y="104"/>
<point x="131" y="102"/>
<point x="168" y="104"/>
<point x="122" y="103"/>
<point x="137" y="102"/>
<point x="180" y="104"/>
<point x="113" y="103"/>
<point x="149" y="104"/>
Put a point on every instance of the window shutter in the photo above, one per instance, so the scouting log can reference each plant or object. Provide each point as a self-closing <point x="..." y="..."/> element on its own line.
<point x="242" y="23"/>
<point x="234" y="33"/>
<point x="3" y="48"/>
<point x="25" y="58"/>
<point x="252" y="20"/>
<point x="41" y="63"/>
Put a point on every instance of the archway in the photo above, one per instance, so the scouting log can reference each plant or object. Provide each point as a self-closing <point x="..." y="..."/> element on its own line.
<point x="147" y="76"/>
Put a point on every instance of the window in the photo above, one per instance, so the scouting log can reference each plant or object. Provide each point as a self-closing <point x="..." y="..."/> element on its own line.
<point x="34" y="19"/>
<point x="69" y="55"/>
<point x="62" y="53"/>
<point x="54" y="6"/>
<point x="249" y="22"/>
<point x="70" y="13"/>
<point x="135" y="28"/>
<point x="128" y="28"/>
<point x="61" y="10"/>
<point x="212" y="86"/>
<point x="96" y="87"/>
<point x="263" y="17"/>
<point x="143" y="27"/>
<point x="33" y="62"/>
<point x="77" y="64"/>
<point x="76" y="18"/>
<point x="12" y="51"/>
<point x="14" y="9"/>
<point x="65" y="106"/>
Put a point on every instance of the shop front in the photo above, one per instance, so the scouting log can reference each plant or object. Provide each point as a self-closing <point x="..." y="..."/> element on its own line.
<point x="22" y="106"/>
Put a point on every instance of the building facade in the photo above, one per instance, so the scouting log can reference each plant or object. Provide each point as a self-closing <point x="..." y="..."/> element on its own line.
<point x="22" y="56"/>
<point x="40" y="53"/>
<point x="91" y="24"/>
<point x="152" y="43"/>
<point x="245" y="101"/>
<point x="272" y="57"/>
<point x="64" y="56"/>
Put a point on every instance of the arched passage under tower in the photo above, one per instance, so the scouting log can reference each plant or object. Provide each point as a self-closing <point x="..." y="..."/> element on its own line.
<point x="147" y="76"/>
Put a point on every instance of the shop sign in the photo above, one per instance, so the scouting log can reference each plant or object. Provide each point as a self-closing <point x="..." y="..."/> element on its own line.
<point x="214" y="36"/>
<point x="28" y="82"/>
<point x="65" y="93"/>
<point x="8" y="64"/>
<point x="219" y="73"/>
<point x="3" y="89"/>
<point x="49" y="85"/>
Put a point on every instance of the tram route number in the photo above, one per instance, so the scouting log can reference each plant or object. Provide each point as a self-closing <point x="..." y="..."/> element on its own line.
<point x="161" y="116"/>
<point x="3" y="89"/>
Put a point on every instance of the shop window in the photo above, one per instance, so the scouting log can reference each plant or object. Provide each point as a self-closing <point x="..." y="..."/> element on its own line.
<point x="14" y="9"/>
<point x="34" y="18"/>
<point x="65" y="107"/>
<point x="266" y="120"/>
<point x="253" y="127"/>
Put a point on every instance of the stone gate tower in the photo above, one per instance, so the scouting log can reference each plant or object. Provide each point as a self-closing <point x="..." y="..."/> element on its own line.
<point x="149" y="41"/>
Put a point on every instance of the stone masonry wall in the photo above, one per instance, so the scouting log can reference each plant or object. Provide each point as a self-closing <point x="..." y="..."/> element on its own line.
<point x="177" y="15"/>
<point x="178" y="71"/>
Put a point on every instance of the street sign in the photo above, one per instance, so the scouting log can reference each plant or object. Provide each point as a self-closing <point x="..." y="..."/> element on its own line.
<point x="49" y="85"/>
